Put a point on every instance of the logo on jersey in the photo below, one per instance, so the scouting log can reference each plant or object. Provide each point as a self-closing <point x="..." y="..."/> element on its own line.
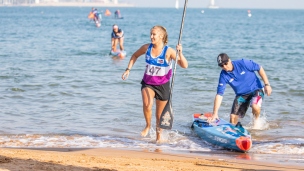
<point x="219" y="59"/>
<point x="160" y="61"/>
<point x="231" y="80"/>
<point x="147" y="57"/>
<point x="242" y="72"/>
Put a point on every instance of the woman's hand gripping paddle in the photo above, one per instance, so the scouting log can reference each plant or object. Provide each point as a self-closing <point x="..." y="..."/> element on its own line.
<point x="166" y="118"/>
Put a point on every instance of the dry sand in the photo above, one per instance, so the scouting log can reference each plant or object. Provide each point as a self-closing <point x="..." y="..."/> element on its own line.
<point x="126" y="160"/>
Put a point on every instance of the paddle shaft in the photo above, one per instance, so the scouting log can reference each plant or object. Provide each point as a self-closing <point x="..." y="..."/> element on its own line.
<point x="166" y="118"/>
<point x="179" y="40"/>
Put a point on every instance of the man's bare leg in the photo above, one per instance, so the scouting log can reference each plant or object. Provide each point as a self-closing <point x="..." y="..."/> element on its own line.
<point x="256" y="110"/>
<point x="234" y="119"/>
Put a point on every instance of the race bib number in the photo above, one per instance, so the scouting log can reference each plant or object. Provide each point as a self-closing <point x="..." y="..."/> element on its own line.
<point x="152" y="70"/>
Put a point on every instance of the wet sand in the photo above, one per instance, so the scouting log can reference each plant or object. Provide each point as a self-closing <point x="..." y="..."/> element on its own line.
<point x="105" y="159"/>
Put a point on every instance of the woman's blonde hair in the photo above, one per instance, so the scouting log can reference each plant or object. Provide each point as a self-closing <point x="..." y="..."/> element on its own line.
<point x="164" y="31"/>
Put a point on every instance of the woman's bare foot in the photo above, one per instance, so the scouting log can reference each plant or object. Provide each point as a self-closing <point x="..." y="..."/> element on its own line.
<point x="145" y="132"/>
<point x="160" y="141"/>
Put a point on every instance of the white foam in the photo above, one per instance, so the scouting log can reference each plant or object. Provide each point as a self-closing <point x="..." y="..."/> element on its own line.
<point x="258" y="124"/>
<point x="173" y="141"/>
<point x="280" y="147"/>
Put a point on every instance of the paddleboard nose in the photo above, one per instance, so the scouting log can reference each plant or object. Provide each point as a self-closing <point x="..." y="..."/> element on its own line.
<point x="244" y="143"/>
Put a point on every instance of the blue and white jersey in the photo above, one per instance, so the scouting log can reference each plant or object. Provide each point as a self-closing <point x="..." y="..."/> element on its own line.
<point x="113" y="35"/>
<point x="158" y="71"/>
<point x="242" y="79"/>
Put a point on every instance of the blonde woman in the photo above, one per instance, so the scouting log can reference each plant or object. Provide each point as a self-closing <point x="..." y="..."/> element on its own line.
<point x="157" y="74"/>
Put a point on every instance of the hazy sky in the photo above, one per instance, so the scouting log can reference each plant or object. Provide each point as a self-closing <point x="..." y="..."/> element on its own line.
<point x="250" y="4"/>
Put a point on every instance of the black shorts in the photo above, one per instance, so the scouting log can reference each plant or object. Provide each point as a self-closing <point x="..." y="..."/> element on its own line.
<point x="241" y="103"/>
<point x="162" y="92"/>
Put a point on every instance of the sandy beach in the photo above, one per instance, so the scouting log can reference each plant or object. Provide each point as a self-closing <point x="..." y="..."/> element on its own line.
<point x="101" y="159"/>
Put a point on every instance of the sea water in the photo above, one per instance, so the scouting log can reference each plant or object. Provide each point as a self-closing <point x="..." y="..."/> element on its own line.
<point x="60" y="87"/>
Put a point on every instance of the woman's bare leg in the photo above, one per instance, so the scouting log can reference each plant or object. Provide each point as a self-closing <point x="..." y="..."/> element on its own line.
<point x="147" y="97"/>
<point x="160" y="105"/>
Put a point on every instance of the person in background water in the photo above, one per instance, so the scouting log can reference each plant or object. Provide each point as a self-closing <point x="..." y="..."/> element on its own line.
<point x="117" y="36"/>
<point x="92" y="14"/>
<point x="157" y="74"/>
<point x="240" y="75"/>
<point x="96" y="15"/>
<point x="117" y="14"/>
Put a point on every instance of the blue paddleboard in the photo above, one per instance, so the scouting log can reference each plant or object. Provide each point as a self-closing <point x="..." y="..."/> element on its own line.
<point x="120" y="54"/>
<point x="222" y="133"/>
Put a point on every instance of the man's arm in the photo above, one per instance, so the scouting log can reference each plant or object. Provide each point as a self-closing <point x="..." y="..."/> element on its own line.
<point x="267" y="87"/>
<point x="217" y="103"/>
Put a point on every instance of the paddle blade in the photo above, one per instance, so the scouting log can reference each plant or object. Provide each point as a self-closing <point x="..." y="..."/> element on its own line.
<point x="166" y="118"/>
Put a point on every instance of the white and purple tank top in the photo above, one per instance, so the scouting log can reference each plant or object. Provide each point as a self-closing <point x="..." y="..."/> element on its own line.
<point x="158" y="71"/>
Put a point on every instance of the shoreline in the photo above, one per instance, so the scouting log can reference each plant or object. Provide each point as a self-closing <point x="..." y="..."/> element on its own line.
<point x="109" y="159"/>
<point x="70" y="4"/>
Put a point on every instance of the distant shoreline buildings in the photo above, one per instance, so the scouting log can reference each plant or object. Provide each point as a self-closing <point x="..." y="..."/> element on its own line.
<point x="95" y="3"/>
<point x="212" y="6"/>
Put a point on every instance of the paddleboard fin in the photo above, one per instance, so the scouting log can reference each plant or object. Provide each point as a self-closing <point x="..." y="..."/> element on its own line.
<point x="239" y="124"/>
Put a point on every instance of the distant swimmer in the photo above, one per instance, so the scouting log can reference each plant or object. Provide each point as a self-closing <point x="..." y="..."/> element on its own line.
<point x="249" y="91"/>
<point x="157" y="74"/>
<point x="117" y="36"/>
